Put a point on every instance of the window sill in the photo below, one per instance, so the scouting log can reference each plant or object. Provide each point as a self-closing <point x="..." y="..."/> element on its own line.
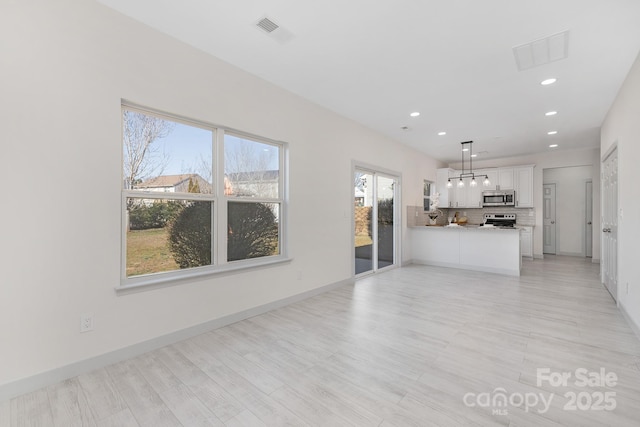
<point x="163" y="280"/>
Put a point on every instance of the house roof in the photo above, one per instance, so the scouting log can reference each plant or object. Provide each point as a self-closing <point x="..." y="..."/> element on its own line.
<point x="168" y="180"/>
<point x="268" y="175"/>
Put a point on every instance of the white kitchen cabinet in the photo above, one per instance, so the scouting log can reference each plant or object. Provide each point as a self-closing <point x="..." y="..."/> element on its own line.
<point x="523" y="186"/>
<point x="442" y="177"/>
<point x="467" y="196"/>
<point x="493" y="179"/>
<point x="526" y="241"/>
<point x="474" y="194"/>
<point x="459" y="194"/>
<point x="460" y="197"/>
<point x="506" y="179"/>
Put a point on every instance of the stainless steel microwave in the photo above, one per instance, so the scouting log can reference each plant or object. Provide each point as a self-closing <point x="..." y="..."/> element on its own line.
<point x="499" y="198"/>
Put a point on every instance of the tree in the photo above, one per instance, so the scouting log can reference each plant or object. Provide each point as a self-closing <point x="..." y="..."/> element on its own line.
<point x="253" y="231"/>
<point x="142" y="158"/>
<point x="190" y="235"/>
<point x="247" y="168"/>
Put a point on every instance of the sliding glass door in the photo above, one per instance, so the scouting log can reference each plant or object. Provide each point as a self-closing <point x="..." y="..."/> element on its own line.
<point x="374" y="221"/>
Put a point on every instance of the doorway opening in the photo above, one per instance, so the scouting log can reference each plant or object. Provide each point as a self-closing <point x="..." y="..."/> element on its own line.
<point x="567" y="210"/>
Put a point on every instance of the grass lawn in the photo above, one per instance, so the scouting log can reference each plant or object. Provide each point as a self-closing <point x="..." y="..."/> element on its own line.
<point x="148" y="252"/>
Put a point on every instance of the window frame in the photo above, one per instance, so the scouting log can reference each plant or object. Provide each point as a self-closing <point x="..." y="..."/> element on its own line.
<point x="219" y="223"/>
<point x="426" y="197"/>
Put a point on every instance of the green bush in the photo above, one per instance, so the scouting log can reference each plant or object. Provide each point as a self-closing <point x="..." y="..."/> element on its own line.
<point x="190" y="235"/>
<point x="253" y="231"/>
<point x="157" y="215"/>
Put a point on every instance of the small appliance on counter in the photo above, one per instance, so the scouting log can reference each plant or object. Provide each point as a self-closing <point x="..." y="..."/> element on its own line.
<point x="499" y="220"/>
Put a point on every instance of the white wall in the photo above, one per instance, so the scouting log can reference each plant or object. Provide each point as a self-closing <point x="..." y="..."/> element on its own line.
<point x="66" y="65"/>
<point x="549" y="160"/>
<point x="622" y="127"/>
<point x="570" y="207"/>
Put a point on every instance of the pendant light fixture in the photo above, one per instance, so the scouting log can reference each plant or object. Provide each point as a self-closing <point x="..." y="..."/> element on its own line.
<point x="467" y="146"/>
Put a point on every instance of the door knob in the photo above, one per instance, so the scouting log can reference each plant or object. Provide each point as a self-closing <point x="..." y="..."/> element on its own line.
<point x="589" y="223"/>
<point x="553" y="222"/>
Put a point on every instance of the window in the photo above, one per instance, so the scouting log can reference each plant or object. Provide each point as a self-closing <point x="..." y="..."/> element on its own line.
<point x="188" y="210"/>
<point x="252" y="173"/>
<point x="429" y="189"/>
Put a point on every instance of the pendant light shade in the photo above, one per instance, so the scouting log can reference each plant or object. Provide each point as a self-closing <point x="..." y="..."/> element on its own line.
<point x="467" y="146"/>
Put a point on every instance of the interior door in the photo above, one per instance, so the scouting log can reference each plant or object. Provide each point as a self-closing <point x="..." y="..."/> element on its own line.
<point x="588" y="230"/>
<point x="549" y="219"/>
<point x="610" y="224"/>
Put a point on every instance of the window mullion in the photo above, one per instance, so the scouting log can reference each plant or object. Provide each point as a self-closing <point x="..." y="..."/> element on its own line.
<point x="220" y="234"/>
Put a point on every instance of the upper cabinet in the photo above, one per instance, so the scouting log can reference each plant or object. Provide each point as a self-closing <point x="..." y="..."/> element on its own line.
<point x="492" y="174"/>
<point x="506" y="179"/>
<point x="442" y="177"/>
<point x="518" y="178"/>
<point x="524" y="186"/>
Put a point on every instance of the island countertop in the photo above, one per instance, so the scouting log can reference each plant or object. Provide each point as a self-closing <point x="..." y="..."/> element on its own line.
<point x="489" y="249"/>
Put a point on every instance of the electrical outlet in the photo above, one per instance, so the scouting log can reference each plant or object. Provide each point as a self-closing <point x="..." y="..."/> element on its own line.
<point x="299" y="274"/>
<point x="86" y="322"/>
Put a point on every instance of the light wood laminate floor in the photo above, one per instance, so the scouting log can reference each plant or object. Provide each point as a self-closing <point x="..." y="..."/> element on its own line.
<point x="406" y="347"/>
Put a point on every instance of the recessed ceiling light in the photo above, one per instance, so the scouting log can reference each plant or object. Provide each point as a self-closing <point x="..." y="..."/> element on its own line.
<point x="474" y="155"/>
<point x="441" y="133"/>
<point x="553" y="145"/>
<point x="551" y="113"/>
<point x="414" y="114"/>
<point x="552" y="132"/>
<point x="548" y="81"/>
<point x="465" y="149"/>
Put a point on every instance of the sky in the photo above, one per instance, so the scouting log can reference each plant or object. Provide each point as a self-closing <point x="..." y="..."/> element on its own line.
<point x="188" y="148"/>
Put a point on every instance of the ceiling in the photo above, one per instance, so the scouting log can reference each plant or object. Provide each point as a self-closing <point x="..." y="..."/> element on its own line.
<point x="451" y="60"/>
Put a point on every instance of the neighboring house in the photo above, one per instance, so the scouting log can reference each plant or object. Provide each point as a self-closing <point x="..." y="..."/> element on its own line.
<point x="174" y="183"/>
<point x="262" y="184"/>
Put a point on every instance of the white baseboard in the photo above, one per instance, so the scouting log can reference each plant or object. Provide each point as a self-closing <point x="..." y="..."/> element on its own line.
<point x="633" y="325"/>
<point x="538" y="256"/>
<point x="503" y="271"/>
<point x="43" y="379"/>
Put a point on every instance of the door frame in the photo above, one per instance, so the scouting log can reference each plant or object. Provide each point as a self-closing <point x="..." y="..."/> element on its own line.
<point x="397" y="218"/>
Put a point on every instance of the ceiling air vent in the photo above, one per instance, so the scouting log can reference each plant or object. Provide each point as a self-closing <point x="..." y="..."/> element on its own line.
<point x="273" y="30"/>
<point x="542" y="51"/>
<point x="267" y="25"/>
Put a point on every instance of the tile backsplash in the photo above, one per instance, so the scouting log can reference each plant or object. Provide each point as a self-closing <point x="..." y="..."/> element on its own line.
<point x="417" y="217"/>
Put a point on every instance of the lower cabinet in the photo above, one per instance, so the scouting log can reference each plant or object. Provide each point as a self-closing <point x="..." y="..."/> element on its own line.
<point x="526" y="241"/>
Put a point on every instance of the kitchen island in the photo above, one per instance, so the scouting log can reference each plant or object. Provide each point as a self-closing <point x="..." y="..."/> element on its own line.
<point x="488" y="249"/>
